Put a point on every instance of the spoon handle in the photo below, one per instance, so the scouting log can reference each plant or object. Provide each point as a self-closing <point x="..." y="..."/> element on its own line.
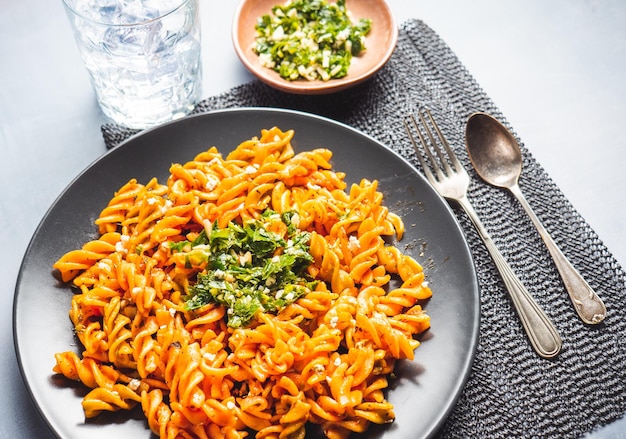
<point x="588" y="305"/>
<point x="542" y="334"/>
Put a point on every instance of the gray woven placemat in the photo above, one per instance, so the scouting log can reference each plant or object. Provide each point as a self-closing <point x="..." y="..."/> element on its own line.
<point x="511" y="391"/>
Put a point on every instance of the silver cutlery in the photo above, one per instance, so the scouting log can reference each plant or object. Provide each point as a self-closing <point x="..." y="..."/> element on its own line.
<point x="452" y="183"/>
<point x="497" y="159"/>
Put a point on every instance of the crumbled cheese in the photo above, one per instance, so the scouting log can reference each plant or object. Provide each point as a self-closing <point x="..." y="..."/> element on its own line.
<point x="295" y="219"/>
<point x="246" y="258"/>
<point x="166" y="206"/>
<point x="353" y="243"/>
<point x="278" y="34"/>
<point x="349" y="46"/>
<point x="266" y="60"/>
<point x="323" y="73"/>
<point x="212" y="182"/>
<point x="326" y="58"/>
<point x="134" y="384"/>
<point x="343" y="34"/>
<point x="308" y="43"/>
<point x="120" y="246"/>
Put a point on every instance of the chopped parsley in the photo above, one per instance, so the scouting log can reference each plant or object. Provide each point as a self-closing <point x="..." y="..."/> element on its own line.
<point x="251" y="267"/>
<point x="310" y="39"/>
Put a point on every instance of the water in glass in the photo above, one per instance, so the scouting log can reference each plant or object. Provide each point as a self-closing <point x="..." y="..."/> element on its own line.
<point x="143" y="56"/>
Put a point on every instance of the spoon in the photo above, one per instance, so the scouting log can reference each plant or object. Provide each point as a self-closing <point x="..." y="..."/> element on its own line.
<point x="497" y="158"/>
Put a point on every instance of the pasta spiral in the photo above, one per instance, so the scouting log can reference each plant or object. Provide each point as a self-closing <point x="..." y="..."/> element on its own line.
<point x="324" y="358"/>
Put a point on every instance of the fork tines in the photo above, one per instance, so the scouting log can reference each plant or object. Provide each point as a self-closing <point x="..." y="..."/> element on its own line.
<point x="425" y="139"/>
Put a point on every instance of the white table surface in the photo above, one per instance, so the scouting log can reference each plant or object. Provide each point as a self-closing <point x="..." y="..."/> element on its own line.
<point x="556" y="69"/>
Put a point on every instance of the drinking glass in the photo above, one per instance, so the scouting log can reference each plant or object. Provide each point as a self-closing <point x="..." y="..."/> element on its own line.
<point x="143" y="56"/>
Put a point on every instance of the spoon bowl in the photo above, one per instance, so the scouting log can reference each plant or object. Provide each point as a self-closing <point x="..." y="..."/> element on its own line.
<point x="497" y="158"/>
<point x="494" y="153"/>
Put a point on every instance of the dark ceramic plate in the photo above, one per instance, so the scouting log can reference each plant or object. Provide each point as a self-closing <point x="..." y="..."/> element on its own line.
<point x="426" y="388"/>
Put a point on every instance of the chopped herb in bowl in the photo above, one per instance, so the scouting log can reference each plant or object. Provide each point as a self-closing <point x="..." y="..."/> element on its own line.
<point x="310" y="39"/>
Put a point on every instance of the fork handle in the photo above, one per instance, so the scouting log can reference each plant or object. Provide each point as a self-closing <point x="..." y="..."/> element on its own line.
<point x="587" y="304"/>
<point x="543" y="336"/>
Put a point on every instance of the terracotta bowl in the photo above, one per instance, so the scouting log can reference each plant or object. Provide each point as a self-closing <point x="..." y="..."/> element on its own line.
<point x="380" y="43"/>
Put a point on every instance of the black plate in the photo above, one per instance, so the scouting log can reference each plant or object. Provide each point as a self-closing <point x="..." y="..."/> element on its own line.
<point x="426" y="389"/>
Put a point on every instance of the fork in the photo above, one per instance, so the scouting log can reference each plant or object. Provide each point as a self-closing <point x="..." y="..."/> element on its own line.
<point x="452" y="183"/>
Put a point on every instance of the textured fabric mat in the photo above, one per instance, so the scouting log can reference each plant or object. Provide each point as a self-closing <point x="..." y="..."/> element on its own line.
<point x="511" y="392"/>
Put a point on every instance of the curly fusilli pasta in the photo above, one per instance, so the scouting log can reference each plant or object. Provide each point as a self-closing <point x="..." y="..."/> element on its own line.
<point x="323" y="358"/>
